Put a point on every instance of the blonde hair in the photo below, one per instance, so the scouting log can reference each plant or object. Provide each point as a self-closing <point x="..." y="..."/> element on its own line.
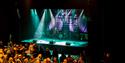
<point x="65" y="61"/>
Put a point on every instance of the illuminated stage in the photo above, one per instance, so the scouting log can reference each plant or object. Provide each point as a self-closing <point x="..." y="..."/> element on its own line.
<point x="48" y="41"/>
<point x="63" y="27"/>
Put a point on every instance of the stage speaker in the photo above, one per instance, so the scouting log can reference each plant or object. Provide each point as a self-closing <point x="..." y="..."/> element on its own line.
<point x="67" y="43"/>
<point x="51" y="42"/>
<point x="34" y="41"/>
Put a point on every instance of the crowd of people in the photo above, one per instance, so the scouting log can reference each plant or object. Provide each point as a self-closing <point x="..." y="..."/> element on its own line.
<point x="31" y="53"/>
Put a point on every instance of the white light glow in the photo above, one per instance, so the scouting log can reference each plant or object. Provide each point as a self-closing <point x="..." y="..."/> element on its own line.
<point x="39" y="32"/>
<point x="42" y="42"/>
<point x="60" y="43"/>
<point x="59" y="55"/>
<point x="53" y="22"/>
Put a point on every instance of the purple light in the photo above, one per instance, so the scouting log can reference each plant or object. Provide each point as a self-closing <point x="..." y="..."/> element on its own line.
<point x="59" y="23"/>
<point x="71" y="27"/>
<point x="82" y="28"/>
<point x="52" y="23"/>
<point x="85" y="30"/>
<point x="50" y="26"/>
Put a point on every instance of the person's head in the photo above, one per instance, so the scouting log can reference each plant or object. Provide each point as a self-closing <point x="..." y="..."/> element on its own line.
<point x="1" y="50"/>
<point x="65" y="61"/>
<point x="5" y="56"/>
<point x="74" y="61"/>
<point x="15" y="48"/>
<point x="1" y="53"/>
<point x="48" y="59"/>
<point x="54" y="58"/>
<point x="20" y="56"/>
<point x="39" y="55"/>
<point x="10" y="59"/>
<point x="69" y="55"/>
<point x="26" y="60"/>
<point x="44" y="61"/>
<point x="47" y="49"/>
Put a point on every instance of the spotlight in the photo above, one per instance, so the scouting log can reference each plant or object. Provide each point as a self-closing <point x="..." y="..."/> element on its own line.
<point x="52" y="23"/>
<point x="40" y="30"/>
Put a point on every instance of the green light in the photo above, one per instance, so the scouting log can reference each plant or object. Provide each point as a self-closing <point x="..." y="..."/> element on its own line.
<point x="73" y="12"/>
<point x="34" y="18"/>
<point x="40" y="30"/>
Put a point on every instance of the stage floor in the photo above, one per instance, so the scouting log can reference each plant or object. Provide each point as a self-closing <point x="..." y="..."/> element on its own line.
<point x="58" y="42"/>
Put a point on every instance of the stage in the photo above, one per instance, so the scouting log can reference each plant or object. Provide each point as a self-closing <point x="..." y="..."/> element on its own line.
<point x="48" y="41"/>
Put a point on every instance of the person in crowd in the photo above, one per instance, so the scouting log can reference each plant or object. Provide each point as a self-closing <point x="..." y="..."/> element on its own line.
<point x="15" y="49"/>
<point x="5" y="49"/>
<point x="41" y="50"/>
<point x="31" y="47"/>
<point x="75" y="61"/>
<point x="36" y="50"/>
<point x="26" y="60"/>
<point x="32" y="59"/>
<point x="81" y="59"/>
<point x="62" y="57"/>
<point x="21" y="48"/>
<point x="38" y="58"/>
<point x="1" y="55"/>
<point x="47" y="52"/>
<point x="44" y="60"/>
<point x="27" y="52"/>
<point x="18" y="58"/>
<point x="55" y="52"/>
<point x="5" y="58"/>
<point x="11" y="60"/>
<point x="69" y="59"/>
<point x="64" y="61"/>
<point x="47" y="60"/>
<point x="55" y="60"/>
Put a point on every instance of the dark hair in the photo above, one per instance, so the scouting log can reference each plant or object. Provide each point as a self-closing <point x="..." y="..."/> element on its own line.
<point x="69" y="55"/>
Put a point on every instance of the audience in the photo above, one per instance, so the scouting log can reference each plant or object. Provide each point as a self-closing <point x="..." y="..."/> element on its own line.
<point x="29" y="53"/>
